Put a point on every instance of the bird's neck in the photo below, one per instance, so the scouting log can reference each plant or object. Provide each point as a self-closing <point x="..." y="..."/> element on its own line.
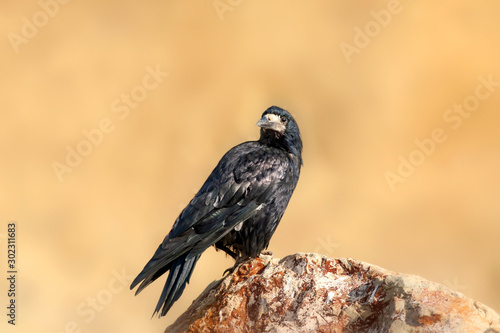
<point x="289" y="144"/>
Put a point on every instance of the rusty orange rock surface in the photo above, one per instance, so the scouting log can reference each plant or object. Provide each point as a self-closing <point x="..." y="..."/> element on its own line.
<point x="314" y="293"/>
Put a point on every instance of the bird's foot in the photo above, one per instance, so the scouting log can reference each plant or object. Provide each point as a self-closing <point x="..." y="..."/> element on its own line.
<point x="238" y="261"/>
<point x="228" y="271"/>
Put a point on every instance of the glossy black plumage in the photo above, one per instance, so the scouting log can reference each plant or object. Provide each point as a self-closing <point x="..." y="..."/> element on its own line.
<point x="237" y="209"/>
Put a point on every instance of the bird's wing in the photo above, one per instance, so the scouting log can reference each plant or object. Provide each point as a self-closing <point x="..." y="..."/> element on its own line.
<point x="244" y="178"/>
<point x="235" y="190"/>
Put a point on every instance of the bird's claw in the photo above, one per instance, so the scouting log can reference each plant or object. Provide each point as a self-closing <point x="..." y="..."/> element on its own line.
<point x="238" y="262"/>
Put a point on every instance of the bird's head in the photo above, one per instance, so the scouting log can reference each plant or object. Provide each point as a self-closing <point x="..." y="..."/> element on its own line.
<point x="279" y="129"/>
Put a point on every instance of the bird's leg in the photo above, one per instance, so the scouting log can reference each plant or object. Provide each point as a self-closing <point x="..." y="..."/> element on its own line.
<point x="227" y="250"/>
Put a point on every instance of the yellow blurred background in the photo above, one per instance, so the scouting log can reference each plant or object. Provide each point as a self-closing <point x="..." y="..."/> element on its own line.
<point x="365" y="80"/>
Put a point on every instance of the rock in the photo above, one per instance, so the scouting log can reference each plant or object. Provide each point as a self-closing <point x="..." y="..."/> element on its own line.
<point x="314" y="293"/>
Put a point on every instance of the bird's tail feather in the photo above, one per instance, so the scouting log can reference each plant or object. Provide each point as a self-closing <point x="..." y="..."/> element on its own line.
<point x="179" y="275"/>
<point x="161" y="262"/>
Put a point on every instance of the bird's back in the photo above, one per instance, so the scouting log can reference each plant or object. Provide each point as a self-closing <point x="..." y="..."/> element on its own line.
<point x="274" y="174"/>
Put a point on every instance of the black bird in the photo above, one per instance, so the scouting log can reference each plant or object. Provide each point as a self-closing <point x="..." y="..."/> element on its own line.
<point x="237" y="209"/>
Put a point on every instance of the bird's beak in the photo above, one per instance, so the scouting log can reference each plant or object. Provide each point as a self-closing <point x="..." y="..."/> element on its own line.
<point x="272" y="122"/>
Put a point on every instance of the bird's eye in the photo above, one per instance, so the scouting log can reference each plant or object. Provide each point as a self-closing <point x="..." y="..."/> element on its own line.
<point x="283" y="120"/>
